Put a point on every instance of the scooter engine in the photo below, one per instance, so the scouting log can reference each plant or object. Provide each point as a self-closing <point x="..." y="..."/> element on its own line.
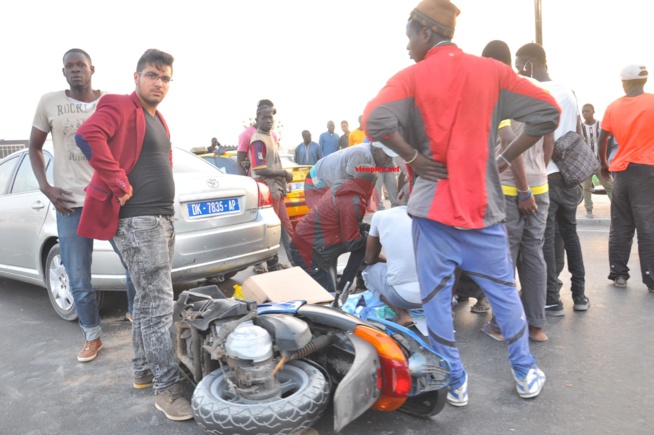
<point x="249" y="354"/>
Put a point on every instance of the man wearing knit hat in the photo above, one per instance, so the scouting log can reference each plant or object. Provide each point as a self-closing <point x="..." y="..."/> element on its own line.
<point x="440" y="111"/>
<point x="630" y="120"/>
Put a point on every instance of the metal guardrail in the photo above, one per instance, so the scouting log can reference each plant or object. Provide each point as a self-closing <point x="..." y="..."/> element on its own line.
<point x="5" y="149"/>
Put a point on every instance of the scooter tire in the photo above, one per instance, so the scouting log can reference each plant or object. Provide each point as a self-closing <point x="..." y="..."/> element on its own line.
<point x="425" y="405"/>
<point x="215" y="409"/>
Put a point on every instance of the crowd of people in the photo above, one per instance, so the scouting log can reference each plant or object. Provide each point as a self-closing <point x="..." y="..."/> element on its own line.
<point x="309" y="152"/>
<point x="476" y="196"/>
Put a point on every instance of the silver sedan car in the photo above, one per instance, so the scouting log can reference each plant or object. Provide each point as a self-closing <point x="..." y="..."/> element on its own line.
<point x="224" y="224"/>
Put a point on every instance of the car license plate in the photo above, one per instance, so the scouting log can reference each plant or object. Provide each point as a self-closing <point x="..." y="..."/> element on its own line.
<point x="210" y="208"/>
<point x="295" y="186"/>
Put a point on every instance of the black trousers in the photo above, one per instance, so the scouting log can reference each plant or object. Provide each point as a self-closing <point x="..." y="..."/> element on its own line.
<point x="632" y="210"/>
<point x="562" y="216"/>
<point x="326" y="276"/>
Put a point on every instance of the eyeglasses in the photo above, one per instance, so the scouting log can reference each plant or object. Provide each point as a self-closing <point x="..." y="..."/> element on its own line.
<point x="154" y="77"/>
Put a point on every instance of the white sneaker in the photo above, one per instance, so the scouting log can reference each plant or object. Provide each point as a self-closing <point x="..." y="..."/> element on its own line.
<point x="530" y="385"/>
<point x="459" y="396"/>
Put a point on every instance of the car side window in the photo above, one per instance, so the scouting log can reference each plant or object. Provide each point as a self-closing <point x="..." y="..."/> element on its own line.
<point x="25" y="178"/>
<point x="6" y="169"/>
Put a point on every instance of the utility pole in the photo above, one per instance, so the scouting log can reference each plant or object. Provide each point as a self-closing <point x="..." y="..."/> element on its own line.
<point x="538" y="10"/>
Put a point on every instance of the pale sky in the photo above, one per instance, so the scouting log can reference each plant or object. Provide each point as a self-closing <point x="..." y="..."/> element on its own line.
<point x="317" y="60"/>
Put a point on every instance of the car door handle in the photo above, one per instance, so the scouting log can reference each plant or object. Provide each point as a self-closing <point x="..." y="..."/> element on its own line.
<point x="38" y="205"/>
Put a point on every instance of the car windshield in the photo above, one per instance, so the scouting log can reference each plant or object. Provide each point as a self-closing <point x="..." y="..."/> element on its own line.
<point x="185" y="162"/>
<point x="224" y="163"/>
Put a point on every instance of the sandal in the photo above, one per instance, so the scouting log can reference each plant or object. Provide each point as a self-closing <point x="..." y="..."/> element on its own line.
<point x="540" y="338"/>
<point x="280" y="266"/>
<point x="259" y="269"/>
<point x="480" y="307"/>
<point x="492" y="333"/>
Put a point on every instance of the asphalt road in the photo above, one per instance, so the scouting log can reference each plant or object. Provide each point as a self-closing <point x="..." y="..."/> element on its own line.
<point x="598" y="367"/>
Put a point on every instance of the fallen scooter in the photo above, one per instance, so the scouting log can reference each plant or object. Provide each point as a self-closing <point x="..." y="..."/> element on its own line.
<point x="273" y="368"/>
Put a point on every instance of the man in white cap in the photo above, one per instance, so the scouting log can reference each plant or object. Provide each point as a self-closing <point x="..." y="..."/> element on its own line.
<point x="631" y="119"/>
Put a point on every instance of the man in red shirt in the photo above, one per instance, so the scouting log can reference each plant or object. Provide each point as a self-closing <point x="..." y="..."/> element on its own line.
<point x="266" y="167"/>
<point x="631" y="119"/>
<point x="440" y="112"/>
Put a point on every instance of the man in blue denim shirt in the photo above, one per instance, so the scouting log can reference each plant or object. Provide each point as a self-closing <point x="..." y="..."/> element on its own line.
<point x="329" y="140"/>
<point x="308" y="152"/>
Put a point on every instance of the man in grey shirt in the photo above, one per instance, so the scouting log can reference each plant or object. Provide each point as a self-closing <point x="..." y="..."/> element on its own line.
<point x="342" y="165"/>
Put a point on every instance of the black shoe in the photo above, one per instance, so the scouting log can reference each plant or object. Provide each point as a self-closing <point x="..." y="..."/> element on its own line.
<point x="555" y="310"/>
<point x="581" y="304"/>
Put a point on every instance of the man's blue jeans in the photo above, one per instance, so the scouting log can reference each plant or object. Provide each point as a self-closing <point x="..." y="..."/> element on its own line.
<point x="147" y="244"/>
<point x="76" y="254"/>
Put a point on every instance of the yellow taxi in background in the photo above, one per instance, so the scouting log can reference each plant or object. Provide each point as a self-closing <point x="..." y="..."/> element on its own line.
<point x="225" y="159"/>
<point x="295" y="203"/>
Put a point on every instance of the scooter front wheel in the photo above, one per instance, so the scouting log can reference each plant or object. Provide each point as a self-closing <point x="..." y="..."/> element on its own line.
<point x="305" y="395"/>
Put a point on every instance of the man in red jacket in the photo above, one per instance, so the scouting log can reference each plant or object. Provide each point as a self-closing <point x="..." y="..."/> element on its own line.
<point x="439" y="112"/>
<point x="130" y="198"/>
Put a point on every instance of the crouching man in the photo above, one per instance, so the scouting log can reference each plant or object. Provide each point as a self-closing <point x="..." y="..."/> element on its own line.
<point x="331" y="228"/>
<point x="393" y="278"/>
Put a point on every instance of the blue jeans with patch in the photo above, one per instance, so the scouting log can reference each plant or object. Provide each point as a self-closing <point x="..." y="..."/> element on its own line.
<point x="129" y="285"/>
<point x="76" y="255"/>
<point x="147" y="244"/>
<point x="484" y="256"/>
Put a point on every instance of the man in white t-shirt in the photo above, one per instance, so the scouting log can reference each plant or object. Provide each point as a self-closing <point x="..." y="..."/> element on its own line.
<point x="393" y="278"/>
<point x="562" y="213"/>
<point x="590" y="130"/>
<point x="61" y="114"/>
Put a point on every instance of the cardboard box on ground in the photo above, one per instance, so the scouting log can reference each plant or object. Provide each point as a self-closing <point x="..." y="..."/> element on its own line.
<point x="285" y="285"/>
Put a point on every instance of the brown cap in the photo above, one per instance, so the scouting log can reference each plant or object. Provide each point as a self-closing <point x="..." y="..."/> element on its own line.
<point x="437" y="15"/>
